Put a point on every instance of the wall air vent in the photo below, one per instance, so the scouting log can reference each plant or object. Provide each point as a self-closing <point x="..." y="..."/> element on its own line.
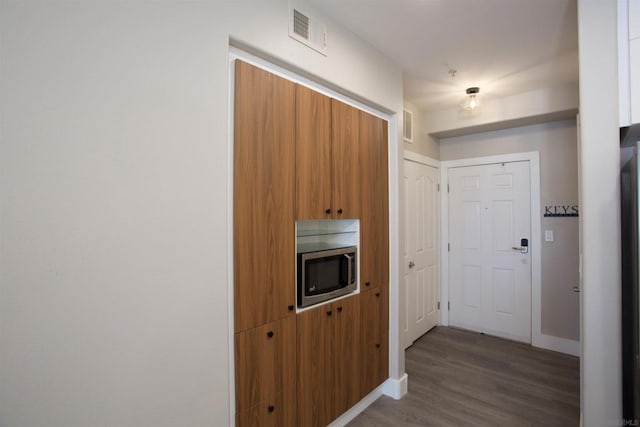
<point x="308" y="30"/>
<point x="407" y="128"/>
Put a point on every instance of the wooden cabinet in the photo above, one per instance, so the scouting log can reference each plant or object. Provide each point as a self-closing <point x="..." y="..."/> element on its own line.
<point x="264" y="180"/>
<point x="281" y="412"/>
<point x="265" y="363"/>
<point x="299" y="154"/>
<point x="328" y="361"/>
<point x="327" y="157"/>
<point x="374" y="338"/>
<point x="346" y="160"/>
<point x="313" y="154"/>
<point x="374" y="221"/>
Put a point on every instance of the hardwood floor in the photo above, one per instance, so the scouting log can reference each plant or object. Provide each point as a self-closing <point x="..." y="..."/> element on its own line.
<point x="461" y="378"/>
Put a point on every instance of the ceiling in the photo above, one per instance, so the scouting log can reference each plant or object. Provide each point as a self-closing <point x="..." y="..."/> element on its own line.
<point x="503" y="46"/>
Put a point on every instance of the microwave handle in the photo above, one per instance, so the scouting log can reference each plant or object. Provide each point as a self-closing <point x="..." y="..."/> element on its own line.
<point x="349" y="268"/>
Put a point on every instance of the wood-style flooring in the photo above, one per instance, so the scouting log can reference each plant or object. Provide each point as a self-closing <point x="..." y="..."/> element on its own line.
<point x="461" y="378"/>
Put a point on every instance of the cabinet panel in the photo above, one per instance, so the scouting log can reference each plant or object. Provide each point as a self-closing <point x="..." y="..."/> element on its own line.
<point x="265" y="363"/>
<point x="346" y="160"/>
<point x="346" y="372"/>
<point x="313" y="154"/>
<point x="264" y="180"/>
<point x="278" y="412"/>
<point x="315" y="388"/>
<point x="374" y="339"/>
<point x="374" y="221"/>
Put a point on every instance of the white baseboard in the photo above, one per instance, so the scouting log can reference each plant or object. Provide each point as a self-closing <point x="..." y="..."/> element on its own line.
<point x="562" y="345"/>
<point x="356" y="409"/>
<point x="391" y="387"/>
<point x="395" y="388"/>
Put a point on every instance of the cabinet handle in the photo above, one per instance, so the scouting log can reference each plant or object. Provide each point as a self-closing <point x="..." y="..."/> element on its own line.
<point x="327" y="211"/>
<point x="290" y="308"/>
<point x="340" y="211"/>
<point x="377" y="345"/>
<point x="377" y="294"/>
<point x="329" y="313"/>
<point x="270" y="334"/>
<point x="271" y="408"/>
<point x="340" y="309"/>
<point x="367" y="283"/>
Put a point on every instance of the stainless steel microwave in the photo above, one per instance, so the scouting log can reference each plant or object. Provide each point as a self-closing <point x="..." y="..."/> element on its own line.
<point x="325" y="271"/>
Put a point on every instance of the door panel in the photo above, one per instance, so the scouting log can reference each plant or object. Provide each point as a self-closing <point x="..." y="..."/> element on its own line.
<point x="264" y="191"/>
<point x="315" y="367"/>
<point x="490" y="282"/>
<point x="346" y="374"/>
<point x="374" y="199"/>
<point x="345" y="131"/>
<point x="421" y="246"/>
<point x="265" y="362"/>
<point x="313" y="154"/>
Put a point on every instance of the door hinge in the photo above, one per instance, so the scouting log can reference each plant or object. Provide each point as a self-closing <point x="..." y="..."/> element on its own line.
<point x="448" y="305"/>
<point x="448" y="247"/>
<point x="438" y="187"/>
<point x="438" y="305"/>
<point x="448" y="189"/>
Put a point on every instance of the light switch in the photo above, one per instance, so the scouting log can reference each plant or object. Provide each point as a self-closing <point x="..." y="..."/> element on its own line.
<point x="548" y="235"/>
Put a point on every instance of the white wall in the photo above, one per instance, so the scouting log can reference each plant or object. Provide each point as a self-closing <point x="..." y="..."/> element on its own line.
<point x="113" y="216"/>
<point x="423" y="143"/>
<point x="537" y="106"/>
<point x="556" y="142"/>
<point x="600" y="220"/>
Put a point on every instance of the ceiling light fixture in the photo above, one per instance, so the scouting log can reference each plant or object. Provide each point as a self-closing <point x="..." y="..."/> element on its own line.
<point x="472" y="101"/>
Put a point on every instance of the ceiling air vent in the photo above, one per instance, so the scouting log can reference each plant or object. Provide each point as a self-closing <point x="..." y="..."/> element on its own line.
<point x="308" y="31"/>
<point x="407" y="128"/>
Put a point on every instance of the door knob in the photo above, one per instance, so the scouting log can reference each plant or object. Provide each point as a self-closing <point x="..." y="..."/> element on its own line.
<point x="576" y="289"/>
<point x="412" y="264"/>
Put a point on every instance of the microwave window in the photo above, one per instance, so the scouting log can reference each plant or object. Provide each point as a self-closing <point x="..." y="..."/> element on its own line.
<point x="323" y="275"/>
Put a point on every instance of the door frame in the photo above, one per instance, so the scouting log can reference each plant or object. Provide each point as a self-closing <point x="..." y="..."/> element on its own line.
<point x="427" y="161"/>
<point x="533" y="157"/>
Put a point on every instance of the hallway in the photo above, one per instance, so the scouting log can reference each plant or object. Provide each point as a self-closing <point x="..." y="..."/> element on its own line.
<point x="461" y="378"/>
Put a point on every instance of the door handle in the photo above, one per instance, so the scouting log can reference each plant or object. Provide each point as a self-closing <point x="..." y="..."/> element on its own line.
<point x="523" y="248"/>
<point x="576" y="289"/>
<point x="412" y="264"/>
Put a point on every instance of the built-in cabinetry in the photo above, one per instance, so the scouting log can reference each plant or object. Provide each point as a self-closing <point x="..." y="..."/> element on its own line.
<point x="298" y="156"/>
<point x="263" y="211"/>
<point x="265" y="374"/>
<point x="329" y="361"/>
<point x="327" y="157"/>
<point x="264" y="286"/>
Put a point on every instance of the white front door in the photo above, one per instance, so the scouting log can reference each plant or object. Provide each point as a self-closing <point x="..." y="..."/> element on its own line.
<point x="489" y="273"/>
<point x="421" y="245"/>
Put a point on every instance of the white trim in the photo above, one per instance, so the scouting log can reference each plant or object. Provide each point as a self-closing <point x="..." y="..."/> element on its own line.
<point x="419" y="158"/>
<point x="391" y="387"/>
<point x="230" y="287"/>
<point x="356" y="409"/>
<point x="562" y="345"/>
<point x="533" y="157"/>
<point x="235" y="53"/>
<point x="396" y="388"/>
<point x="396" y="352"/>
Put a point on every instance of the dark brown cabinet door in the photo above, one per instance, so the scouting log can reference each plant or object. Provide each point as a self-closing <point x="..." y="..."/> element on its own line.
<point x="313" y="154"/>
<point x="315" y="366"/>
<point x="264" y="179"/>
<point x="265" y="363"/>
<point x="374" y="218"/>
<point x="374" y="337"/>
<point x="345" y="157"/>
